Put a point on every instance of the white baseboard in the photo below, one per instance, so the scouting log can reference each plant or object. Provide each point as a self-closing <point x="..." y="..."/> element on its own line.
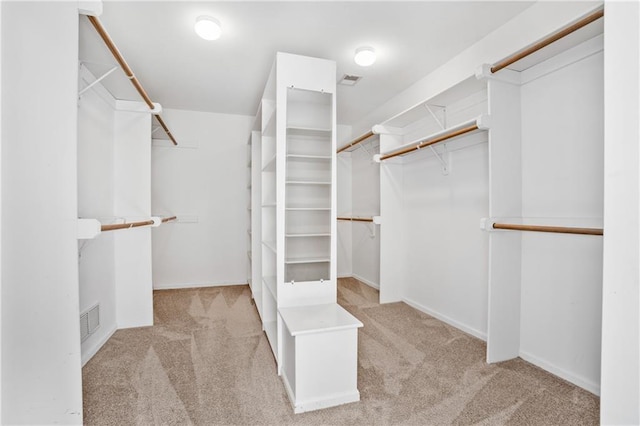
<point x="470" y="330"/>
<point x="93" y="349"/>
<point x="580" y="381"/>
<point x="192" y="285"/>
<point x="366" y="281"/>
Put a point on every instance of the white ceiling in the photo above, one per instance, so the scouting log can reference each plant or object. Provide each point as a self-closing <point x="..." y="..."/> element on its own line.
<point x="180" y="70"/>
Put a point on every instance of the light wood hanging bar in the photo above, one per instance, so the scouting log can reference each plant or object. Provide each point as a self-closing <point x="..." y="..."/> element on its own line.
<point x="555" y="229"/>
<point x="432" y="140"/>
<point x="169" y="219"/>
<point x="547" y="41"/>
<point x="357" y="219"/>
<point x="128" y="71"/>
<point x="356" y="141"/>
<point x="116" y="226"/>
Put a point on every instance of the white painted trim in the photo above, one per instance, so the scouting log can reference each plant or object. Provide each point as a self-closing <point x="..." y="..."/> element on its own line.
<point x="366" y="281"/>
<point x="93" y="349"/>
<point x="193" y="285"/>
<point x="318" y="404"/>
<point x="562" y="373"/>
<point x="460" y="326"/>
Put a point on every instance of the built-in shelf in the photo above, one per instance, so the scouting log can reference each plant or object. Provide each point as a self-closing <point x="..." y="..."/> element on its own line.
<point x="304" y="182"/>
<point x="271" y="330"/>
<point x="295" y="261"/>
<point x="308" y="209"/>
<point x="299" y="157"/>
<point x="269" y="205"/>
<point x="308" y="131"/>
<point x="307" y="235"/>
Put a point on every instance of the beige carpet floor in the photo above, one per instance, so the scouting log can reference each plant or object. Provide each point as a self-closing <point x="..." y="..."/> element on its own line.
<point x="207" y="362"/>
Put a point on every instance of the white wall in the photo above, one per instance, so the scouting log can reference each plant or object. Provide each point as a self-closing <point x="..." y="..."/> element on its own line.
<point x="132" y="201"/>
<point x="446" y="264"/>
<point x="41" y="376"/>
<point x="96" y="200"/>
<point x="204" y="178"/>
<point x="562" y="181"/>
<point x="620" y="388"/>
<point x="344" y="204"/>
<point x="366" y="203"/>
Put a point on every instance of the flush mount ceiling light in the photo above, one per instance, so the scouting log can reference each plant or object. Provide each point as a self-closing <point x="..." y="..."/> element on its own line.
<point x="365" y="56"/>
<point x="208" y="28"/>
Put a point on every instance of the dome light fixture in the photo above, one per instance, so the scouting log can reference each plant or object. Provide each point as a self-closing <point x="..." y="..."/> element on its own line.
<point x="365" y="56"/>
<point x="208" y="28"/>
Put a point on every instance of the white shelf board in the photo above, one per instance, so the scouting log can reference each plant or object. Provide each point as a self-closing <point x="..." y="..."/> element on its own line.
<point x="308" y="209"/>
<point x="303" y="182"/>
<point x="308" y="235"/>
<point x="301" y="157"/>
<point x="318" y="319"/>
<point x="308" y="131"/>
<point x="301" y="260"/>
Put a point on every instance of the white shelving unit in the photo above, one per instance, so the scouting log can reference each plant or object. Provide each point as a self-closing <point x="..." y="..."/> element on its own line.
<point x="296" y="178"/>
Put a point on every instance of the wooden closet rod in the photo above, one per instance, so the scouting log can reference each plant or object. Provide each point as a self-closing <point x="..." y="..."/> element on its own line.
<point x="430" y="141"/>
<point x="357" y="219"/>
<point x="125" y="225"/>
<point x="356" y="141"/>
<point x="169" y="219"/>
<point x="556" y="229"/>
<point x="547" y="41"/>
<point x="128" y="71"/>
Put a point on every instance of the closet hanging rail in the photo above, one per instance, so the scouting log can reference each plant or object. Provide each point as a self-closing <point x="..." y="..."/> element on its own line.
<point x="356" y="141"/>
<point x="547" y="41"/>
<point x="555" y="229"/>
<point x="357" y="219"/>
<point x="116" y="226"/>
<point x="128" y="71"/>
<point x="129" y="225"/>
<point x="443" y="136"/>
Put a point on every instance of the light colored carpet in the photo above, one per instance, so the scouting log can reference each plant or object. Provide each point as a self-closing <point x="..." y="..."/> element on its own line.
<point x="207" y="362"/>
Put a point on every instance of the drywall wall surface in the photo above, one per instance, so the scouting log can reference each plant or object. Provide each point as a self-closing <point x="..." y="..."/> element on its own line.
<point x="95" y="200"/>
<point x="446" y="265"/>
<point x="344" y="203"/>
<point x="41" y="374"/>
<point x="132" y="202"/>
<point x="562" y="184"/>
<point x="366" y="203"/>
<point x="620" y="385"/>
<point x="202" y="181"/>
<point x="535" y="23"/>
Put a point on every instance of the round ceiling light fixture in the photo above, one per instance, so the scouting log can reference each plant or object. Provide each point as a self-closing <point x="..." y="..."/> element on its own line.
<point x="365" y="56"/>
<point x="208" y="28"/>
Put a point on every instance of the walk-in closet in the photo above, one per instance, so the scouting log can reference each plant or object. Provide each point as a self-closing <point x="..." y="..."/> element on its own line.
<point x="320" y="212"/>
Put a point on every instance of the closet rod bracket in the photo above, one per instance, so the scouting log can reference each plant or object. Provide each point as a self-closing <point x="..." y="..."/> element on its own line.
<point x="483" y="72"/>
<point x="96" y="81"/>
<point x="445" y="166"/>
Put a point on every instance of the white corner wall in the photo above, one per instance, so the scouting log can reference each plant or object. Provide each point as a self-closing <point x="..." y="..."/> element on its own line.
<point x="96" y="261"/>
<point x="202" y="181"/>
<point x="620" y="386"/>
<point x="132" y="201"/>
<point x="366" y="203"/>
<point x="344" y="204"/>
<point x="41" y="374"/>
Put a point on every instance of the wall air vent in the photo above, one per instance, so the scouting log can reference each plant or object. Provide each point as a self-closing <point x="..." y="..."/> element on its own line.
<point x="89" y="322"/>
<point x="349" y="80"/>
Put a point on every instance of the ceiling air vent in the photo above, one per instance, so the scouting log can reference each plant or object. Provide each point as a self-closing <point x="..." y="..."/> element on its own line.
<point x="349" y="80"/>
